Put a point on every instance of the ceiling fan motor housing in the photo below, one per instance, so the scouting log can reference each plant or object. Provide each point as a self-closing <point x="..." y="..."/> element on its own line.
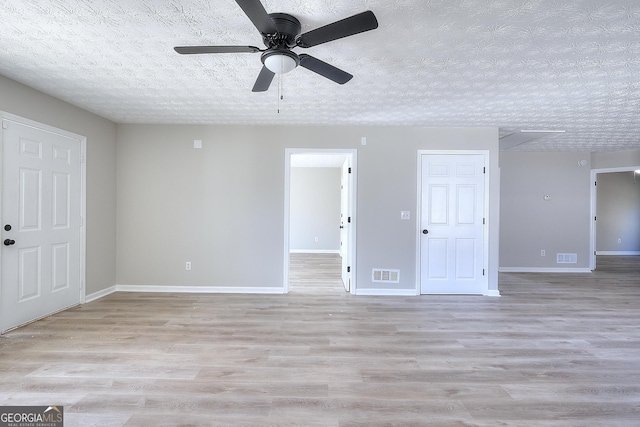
<point x="287" y="29"/>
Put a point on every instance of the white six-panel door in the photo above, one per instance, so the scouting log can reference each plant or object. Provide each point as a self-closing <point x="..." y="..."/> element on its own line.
<point x="41" y="222"/>
<point x="452" y="230"/>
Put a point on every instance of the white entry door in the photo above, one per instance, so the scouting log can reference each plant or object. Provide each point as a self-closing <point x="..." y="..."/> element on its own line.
<point x="452" y="230"/>
<point x="41" y="223"/>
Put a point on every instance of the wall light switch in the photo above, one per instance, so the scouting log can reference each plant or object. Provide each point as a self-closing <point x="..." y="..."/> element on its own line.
<point x="363" y="140"/>
<point x="197" y="143"/>
<point x="405" y="215"/>
<point x="547" y="197"/>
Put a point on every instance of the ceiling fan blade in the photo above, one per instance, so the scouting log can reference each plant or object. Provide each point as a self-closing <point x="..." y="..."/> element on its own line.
<point x="324" y="69"/>
<point x="264" y="80"/>
<point x="258" y="15"/>
<point x="355" y="24"/>
<point x="190" y="50"/>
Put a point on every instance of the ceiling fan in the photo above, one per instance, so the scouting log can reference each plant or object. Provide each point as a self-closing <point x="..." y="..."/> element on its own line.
<point x="281" y="33"/>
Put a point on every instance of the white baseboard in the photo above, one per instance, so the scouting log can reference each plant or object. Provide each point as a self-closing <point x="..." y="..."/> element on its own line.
<point x="183" y="289"/>
<point x="542" y="270"/>
<point x="412" y="292"/>
<point x="100" y="294"/>
<point x="241" y="290"/>
<point x="314" y="251"/>
<point x="387" y="292"/>
<point x="200" y="289"/>
<point x="622" y="253"/>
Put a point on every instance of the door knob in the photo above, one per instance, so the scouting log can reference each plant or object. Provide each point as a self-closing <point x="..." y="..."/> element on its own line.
<point x="9" y="242"/>
<point x="425" y="231"/>
<point x="7" y="227"/>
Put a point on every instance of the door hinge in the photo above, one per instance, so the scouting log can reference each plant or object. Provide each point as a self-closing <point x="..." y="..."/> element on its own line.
<point x="483" y="271"/>
<point x="484" y="221"/>
<point x="348" y="269"/>
<point x="484" y="170"/>
<point x="349" y="170"/>
<point x="595" y="218"/>
<point x="349" y="220"/>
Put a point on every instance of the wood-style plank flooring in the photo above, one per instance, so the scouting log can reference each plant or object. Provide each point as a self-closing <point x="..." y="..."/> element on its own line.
<point x="315" y="273"/>
<point x="554" y="350"/>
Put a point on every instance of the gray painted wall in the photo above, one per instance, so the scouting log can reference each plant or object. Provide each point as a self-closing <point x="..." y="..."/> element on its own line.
<point x="616" y="159"/>
<point x="529" y="224"/>
<point x="222" y="207"/>
<point x="618" y="212"/>
<point x="23" y="101"/>
<point x="315" y="209"/>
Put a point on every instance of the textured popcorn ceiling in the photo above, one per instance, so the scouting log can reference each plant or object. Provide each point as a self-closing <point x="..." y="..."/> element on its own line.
<point x="514" y="64"/>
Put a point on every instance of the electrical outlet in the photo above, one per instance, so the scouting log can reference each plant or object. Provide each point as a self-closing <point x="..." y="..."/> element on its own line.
<point x="619" y="240"/>
<point x="543" y="253"/>
<point x="188" y="265"/>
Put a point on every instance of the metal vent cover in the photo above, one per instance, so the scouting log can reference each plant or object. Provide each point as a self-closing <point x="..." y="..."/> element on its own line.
<point x="385" y="275"/>
<point x="567" y="258"/>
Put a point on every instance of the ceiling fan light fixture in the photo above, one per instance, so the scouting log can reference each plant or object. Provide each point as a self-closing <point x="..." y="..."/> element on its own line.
<point x="280" y="61"/>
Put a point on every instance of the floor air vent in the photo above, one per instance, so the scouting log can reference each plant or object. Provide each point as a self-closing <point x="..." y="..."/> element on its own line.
<point x="386" y="275"/>
<point x="567" y="258"/>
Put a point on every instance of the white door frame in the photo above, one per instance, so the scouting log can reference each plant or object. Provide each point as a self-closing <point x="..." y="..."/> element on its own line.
<point x="485" y="236"/>
<point x="83" y="188"/>
<point x="594" y="200"/>
<point x="353" y="154"/>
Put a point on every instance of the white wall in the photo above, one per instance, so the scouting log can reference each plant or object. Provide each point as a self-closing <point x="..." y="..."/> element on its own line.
<point x="26" y="102"/>
<point x="529" y="224"/>
<point x="315" y="209"/>
<point x="222" y="207"/>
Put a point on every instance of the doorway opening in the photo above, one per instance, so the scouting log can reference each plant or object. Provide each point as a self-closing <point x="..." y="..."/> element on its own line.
<point x="319" y="250"/>
<point x="615" y="205"/>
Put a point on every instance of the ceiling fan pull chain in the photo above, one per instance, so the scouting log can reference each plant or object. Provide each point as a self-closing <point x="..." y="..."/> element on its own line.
<point x="279" y="91"/>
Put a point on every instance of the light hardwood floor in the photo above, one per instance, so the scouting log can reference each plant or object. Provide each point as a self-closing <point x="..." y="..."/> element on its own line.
<point x="554" y="350"/>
